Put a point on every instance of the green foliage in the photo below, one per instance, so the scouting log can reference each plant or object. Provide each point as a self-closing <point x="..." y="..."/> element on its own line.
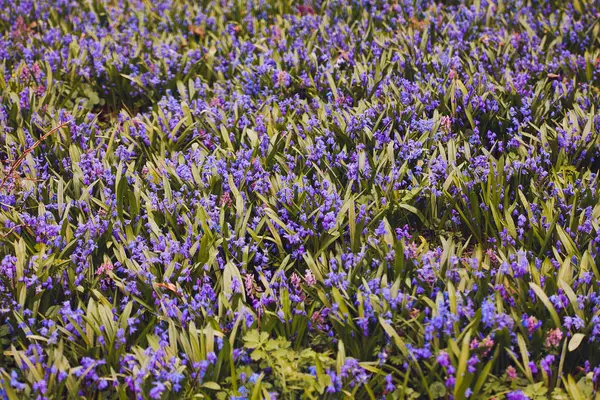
<point x="326" y="200"/>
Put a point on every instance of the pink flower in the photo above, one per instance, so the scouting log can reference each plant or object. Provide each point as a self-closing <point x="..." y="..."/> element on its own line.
<point x="104" y="269"/>
<point x="250" y="285"/>
<point x="486" y="344"/>
<point x="511" y="372"/>
<point x="296" y="281"/>
<point x="310" y="278"/>
<point x="532" y="325"/>
<point x="554" y="337"/>
<point x="446" y="123"/>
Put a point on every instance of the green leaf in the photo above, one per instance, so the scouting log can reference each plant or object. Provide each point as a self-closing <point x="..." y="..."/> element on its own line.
<point x="462" y="365"/>
<point x="544" y="298"/>
<point x="437" y="390"/>
<point x="575" y="341"/>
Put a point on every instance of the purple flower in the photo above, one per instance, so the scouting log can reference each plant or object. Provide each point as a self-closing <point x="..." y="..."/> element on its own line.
<point x="517" y="395"/>
<point x="443" y="359"/>
<point x="389" y="384"/>
<point x="157" y="390"/>
<point x="14" y="382"/>
<point x="547" y="363"/>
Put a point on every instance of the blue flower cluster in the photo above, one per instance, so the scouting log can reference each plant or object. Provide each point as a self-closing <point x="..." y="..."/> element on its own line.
<point x="316" y="199"/>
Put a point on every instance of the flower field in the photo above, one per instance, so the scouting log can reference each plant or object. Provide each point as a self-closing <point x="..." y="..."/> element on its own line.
<point x="325" y="199"/>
